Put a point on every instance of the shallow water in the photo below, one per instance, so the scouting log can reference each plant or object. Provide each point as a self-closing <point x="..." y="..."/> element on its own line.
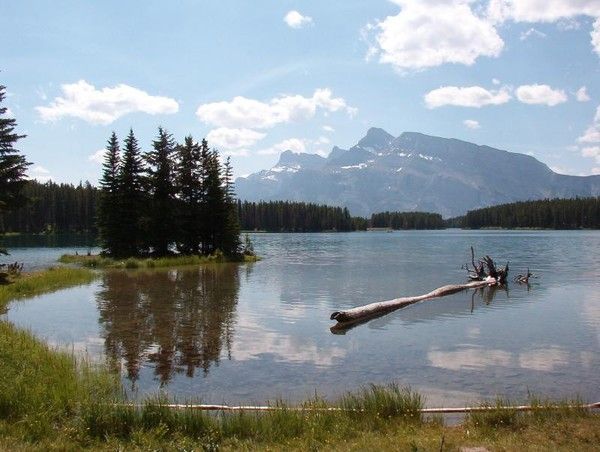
<point x="250" y="333"/>
<point x="40" y="251"/>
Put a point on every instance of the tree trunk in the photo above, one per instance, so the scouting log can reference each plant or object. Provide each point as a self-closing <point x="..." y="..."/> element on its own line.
<point x="374" y="309"/>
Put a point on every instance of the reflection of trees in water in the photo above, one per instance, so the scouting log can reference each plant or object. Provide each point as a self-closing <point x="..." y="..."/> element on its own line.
<point x="178" y="320"/>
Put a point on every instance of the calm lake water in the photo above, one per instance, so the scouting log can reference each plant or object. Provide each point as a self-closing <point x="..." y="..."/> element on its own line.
<point x="251" y="333"/>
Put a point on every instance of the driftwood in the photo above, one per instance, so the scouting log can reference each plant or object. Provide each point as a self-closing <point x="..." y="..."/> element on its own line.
<point x="524" y="278"/>
<point x="177" y="406"/>
<point x="485" y="273"/>
<point x="373" y="309"/>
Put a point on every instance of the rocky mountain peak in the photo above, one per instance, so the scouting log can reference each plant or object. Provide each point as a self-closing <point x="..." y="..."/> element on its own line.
<point x="376" y="139"/>
<point x="412" y="172"/>
<point x="301" y="159"/>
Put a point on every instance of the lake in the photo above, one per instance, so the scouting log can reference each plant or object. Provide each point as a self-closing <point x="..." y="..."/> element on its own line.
<point x="255" y="332"/>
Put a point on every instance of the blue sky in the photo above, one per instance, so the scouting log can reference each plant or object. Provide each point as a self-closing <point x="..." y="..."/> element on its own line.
<point x="259" y="77"/>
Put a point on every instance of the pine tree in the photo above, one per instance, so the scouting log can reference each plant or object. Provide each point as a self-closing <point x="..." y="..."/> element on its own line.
<point x="131" y="189"/>
<point x="12" y="164"/>
<point x="205" y="215"/>
<point x="109" y="208"/>
<point x="189" y="192"/>
<point x="161" y="185"/>
<point x="214" y="201"/>
<point x="231" y="230"/>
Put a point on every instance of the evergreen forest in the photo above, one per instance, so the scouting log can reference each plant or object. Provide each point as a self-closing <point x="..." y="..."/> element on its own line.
<point x="577" y="213"/>
<point x="174" y="197"/>
<point x="407" y="220"/>
<point x="67" y="208"/>
<point x="287" y="216"/>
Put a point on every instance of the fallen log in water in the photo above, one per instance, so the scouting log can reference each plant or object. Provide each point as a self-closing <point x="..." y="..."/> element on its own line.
<point x="373" y="309"/>
<point x="179" y="406"/>
<point x="483" y="274"/>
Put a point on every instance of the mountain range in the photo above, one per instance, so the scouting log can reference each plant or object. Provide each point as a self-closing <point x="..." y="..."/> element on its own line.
<point x="412" y="172"/>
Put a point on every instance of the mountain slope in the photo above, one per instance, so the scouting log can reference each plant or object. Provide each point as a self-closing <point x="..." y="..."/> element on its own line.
<point x="412" y="172"/>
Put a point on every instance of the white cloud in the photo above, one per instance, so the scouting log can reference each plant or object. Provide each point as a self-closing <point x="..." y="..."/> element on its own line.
<point x="471" y="124"/>
<point x="227" y="138"/>
<point x="469" y="96"/>
<point x="495" y="81"/>
<point x="40" y="174"/>
<point x="98" y="156"/>
<point x="595" y="34"/>
<point x="296" y="145"/>
<point x="592" y="133"/>
<point x="562" y="11"/>
<point x="236" y="152"/>
<point x="296" y="20"/>
<point x="323" y="140"/>
<point x="328" y="129"/>
<point x="582" y="95"/>
<point x="103" y="106"/>
<point x="242" y="112"/>
<point x="591" y="152"/>
<point x="430" y="33"/>
<point x="541" y="10"/>
<point x="531" y="32"/>
<point x="540" y="95"/>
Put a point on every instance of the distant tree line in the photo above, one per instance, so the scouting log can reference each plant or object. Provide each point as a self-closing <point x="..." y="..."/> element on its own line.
<point x="64" y="208"/>
<point x="286" y="216"/>
<point x="176" y="196"/>
<point x="577" y="213"/>
<point x="52" y="207"/>
<point x="407" y="220"/>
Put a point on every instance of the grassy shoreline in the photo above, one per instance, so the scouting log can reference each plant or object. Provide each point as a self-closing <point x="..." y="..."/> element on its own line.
<point x="99" y="261"/>
<point x="51" y="400"/>
<point x="37" y="283"/>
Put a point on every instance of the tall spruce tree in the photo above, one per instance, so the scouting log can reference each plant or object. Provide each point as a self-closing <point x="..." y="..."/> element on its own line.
<point x="205" y="215"/>
<point x="162" y="190"/>
<point x="109" y="208"/>
<point x="132" y="196"/>
<point x="214" y="200"/>
<point x="12" y="165"/>
<point x="231" y="230"/>
<point x="189" y="191"/>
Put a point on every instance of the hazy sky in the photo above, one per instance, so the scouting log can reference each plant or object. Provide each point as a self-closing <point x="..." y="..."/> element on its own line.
<point x="257" y="77"/>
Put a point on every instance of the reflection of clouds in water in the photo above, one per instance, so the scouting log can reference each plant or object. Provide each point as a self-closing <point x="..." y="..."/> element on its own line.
<point x="540" y="359"/>
<point x="590" y="313"/>
<point x="469" y="358"/>
<point x="254" y="341"/>
<point x="587" y="359"/>
<point x="544" y="359"/>
<point x="473" y="332"/>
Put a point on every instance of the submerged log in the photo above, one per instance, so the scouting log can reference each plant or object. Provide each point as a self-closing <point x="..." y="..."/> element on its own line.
<point x="482" y="274"/>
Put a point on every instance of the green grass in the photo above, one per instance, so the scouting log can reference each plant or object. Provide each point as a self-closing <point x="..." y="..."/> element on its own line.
<point x="500" y="414"/>
<point x="50" y="280"/>
<point x="96" y="261"/>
